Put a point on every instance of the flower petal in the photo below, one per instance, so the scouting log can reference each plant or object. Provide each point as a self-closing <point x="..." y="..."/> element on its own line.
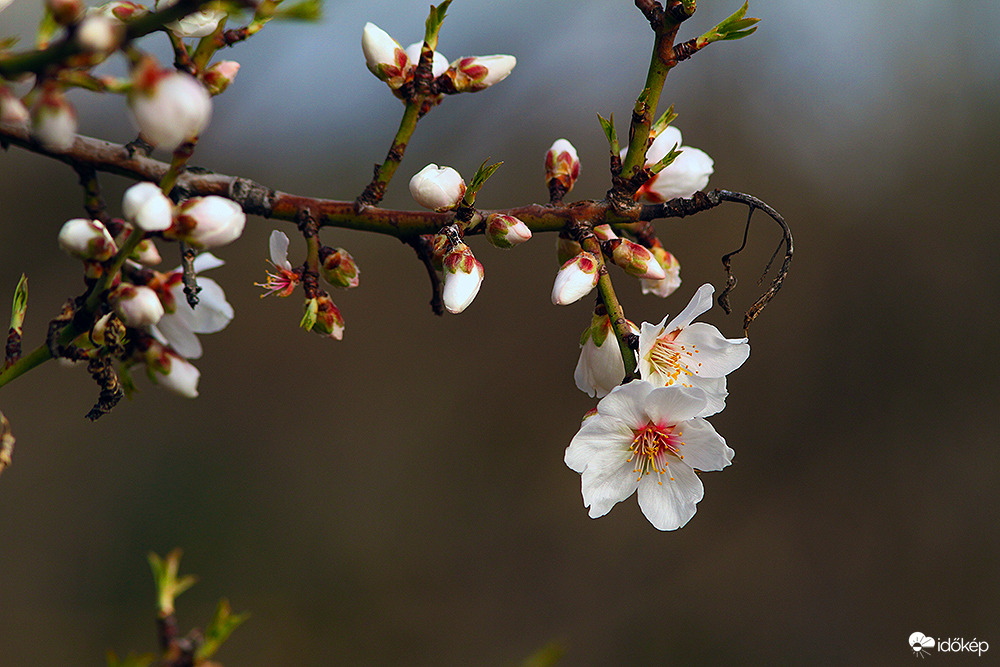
<point x="608" y="480"/>
<point x="597" y="434"/>
<point x="717" y="355"/>
<point x="703" y="448"/>
<point x="700" y="303"/>
<point x="212" y="313"/>
<point x="176" y="334"/>
<point x="204" y="262"/>
<point x="279" y="250"/>
<point x="673" y="405"/>
<point x="625" y="402"/>
<point x="670" y="505"/>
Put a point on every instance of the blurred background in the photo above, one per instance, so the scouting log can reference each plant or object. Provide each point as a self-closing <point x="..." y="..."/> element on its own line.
<point x="400" y="497"/>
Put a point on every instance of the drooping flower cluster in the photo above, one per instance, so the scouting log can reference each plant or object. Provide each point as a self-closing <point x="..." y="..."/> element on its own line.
<point x="650" y="434"/>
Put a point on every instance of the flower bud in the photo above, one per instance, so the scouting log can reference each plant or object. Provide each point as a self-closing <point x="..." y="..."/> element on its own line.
<point x="687" y="174"/>
<point x="506" y="231"/>
<point x="437" y="188"/>
<point x="566" y="249"/>
<point x="600" y="368"/>
<point x="87" y="240"/>
<point x="575" y="279"/>
<point x="440" y="246"/>
<point x="218" y="77"/>
<point x="605" y="233"/>
<point x="145" y="206"/>
<point x="562" y="167"/>
<point x="439" y="64"/>
<point x="208" y="222"/>
<point x="463" y="276"/>
<point x="65" y="11"/>
<point x="121" y="10"/>
<point x="199" y="24"/>
<point x="108" y="331"/>
<point x="99" y="34"/>
<point x="325" y="316"/>
<point x="338" y="267"/>
<point x="12" y="109"/>
<point x="146" y="253"/>
<point x="384" y="56"/>
<point x="53" y="120"/>
<point x="168" y="107"/>
<point x="137" y="305"/>
<point x="672" y="274"/>
<point x="637" y="260"/>
<point x="475" y="73"/>
<point x="167" y="369"/>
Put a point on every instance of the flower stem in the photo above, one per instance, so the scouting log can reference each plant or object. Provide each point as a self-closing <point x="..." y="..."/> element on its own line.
<point x="375" y="191"/>
<point x="29" y="361"/>
<point x="615" y="311"/>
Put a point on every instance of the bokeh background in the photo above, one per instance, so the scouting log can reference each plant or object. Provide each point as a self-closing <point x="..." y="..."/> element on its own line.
<point x="399" y="497"/>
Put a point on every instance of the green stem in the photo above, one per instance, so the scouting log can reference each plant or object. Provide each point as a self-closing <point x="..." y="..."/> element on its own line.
<point x="615" y="311"/>
<point x="375" y="190"/>
<point x="645" y="105"/>
<point x="34" y="358"/>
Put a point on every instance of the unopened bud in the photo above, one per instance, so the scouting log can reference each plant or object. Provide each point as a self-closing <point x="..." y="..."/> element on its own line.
<point x="87" y="240"/>
<point x="463" y="276"/>
<point x="687" y="174"/>
<point x="218" y="77"/>
<point x="604" y="233"/>
<point x="324" y="317"/>
<point x="12" y="109"/>
<point x="384" y="56"/>
<point x="172" y="372"/>
<point x="168" y="107"/>
<point x="121" y="10"/>
<point x="437" y="188"/>
<point x="672" y="274"/>
<point x="208" y="222"/>
<point x="99" y="34"/>
<point x="108" y="331"/>
<point x="637" y="260"/>
<point x="53" y="120"/>
<point x="575" y="279"/>
<point x="338" y="267"/>
<point x="562" y="167"/>
<point x="506" y="231"/>
<point x="145" y="206"/>
<point x="198" y="24"/>
<point x="136" y="305"/>
<point x="475" y="73"/>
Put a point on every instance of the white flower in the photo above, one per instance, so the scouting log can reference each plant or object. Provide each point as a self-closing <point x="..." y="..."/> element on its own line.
<point x="208" y="222"/>
<point x="171" y="371"/>
<point x="437" y="188"/>
<point x="463" y="276"/>
<point x="672" y="274"/>
<point x="4" y="3"/>
<point x="179" y="326"/>
<point x="136" y="305"/>
<point x="652" y="439"/>
<point x="145" y="206"/>
<point x="168" y="107"/>
<point x="87" y="239"/>
<point x="687" y="174"/>
<point x="600" y="368"/>
<point x="438" y="65"/>
<point x="576" y="278"/>
<point x="691" y="354"/>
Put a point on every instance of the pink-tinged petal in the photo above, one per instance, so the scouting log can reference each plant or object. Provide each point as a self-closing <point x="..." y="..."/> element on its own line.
<point x="608" y="480"/>
<point x="703" y="448"/>
<point x="625" y="402"/>
<point x="279" y="250"/>
<point x="716" y="355"/>
<point x="700" y="303"/>
<point x="670" y="504"/>
<point x="174" y="332"/>
<point x="597" y="434"/>
<point x="673" y="405"/>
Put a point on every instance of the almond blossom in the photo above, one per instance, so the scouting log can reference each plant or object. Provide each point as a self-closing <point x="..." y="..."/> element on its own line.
<point x="686" y="353"/>
<point x="650" y="439"/>
<point x="283" y="280"/>
<point x="600" y="368"/>
<point x="179" y="326"/>
<point x="687" y="174"/>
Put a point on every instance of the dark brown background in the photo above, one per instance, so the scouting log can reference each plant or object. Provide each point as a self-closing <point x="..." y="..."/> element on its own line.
<point x="400" y="497"/>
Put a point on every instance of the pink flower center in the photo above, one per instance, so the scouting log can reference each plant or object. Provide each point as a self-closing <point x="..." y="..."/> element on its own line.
<point x="652" y="445"/>
<point x="673" y="361"/>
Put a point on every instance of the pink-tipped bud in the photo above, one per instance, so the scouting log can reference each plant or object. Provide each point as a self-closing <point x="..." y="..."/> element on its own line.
<point x="65" y="11"/>
<point x="604" y="233"/>
<point x="121" y="10"/>
<point x="463" y="276"/>
<point x="562" y="167"/>
<point x="384" y="57"/>
<point x="218" y="77"/>
<point x="437" y="188"/>
<point x="575" y="279"/>
<point x="53" y="120"/>
<point x="168" y="107"/>
<point x="99" y="34"/>
<point x="637" y="260"/>
<point x="208" y="222"/>
<point x="506" y="231"/>
<point x="566" y="249"/>
<point x="145" y="206"/>
<point x="136" y="305"/>
<point x="172" y="372"/>
<point x="338" y="267"/>
<point x="87" y="240"/>
<point x="12" y="109"/>
<point x="672" y="274"/>
<point x="328" y="320"/>
<point x="475" y="73"/>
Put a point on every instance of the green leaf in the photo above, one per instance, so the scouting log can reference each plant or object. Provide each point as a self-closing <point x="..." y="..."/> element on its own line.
<point x="218" y="631"/>
<point x="433" y="23"/>
<point x="610" y="132"/>
<point x="168" y="585"/>
<point x="662" y="122"/>
<point x="307" y="10"/>
<point x="20" y="303"/>
<point x="546" y="656"/>
<point x="482" y="174"/>
<point x="131" y="660"/>
<point x="733" y="27"/>
<point x="665" y="161"/>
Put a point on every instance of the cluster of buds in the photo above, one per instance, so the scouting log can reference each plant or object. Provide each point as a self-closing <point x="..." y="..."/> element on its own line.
<point x="202" y="222"/>
<point x="390" y="62"/>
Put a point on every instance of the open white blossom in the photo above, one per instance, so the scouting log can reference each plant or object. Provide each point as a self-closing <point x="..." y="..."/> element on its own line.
<point x="178" y="328"/>
<point x="688" y="173"/>
<point x="691" y="354"/>
<point x="650" y="439"/>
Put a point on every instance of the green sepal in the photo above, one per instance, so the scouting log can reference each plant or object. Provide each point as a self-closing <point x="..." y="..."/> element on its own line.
<point x="309" y="317"/>
<point x="665" y="161"/>
<point x="600" y="327"/>
<point x="433" y="24"/>
<point x="608" y="125"/>
<point x="47" y="28"/>
<point x="20" y="303"/>
<point x="663" y="121"/>
<point x="168" y="585"/>
<point x="307" y="10"/>
<point x="218" y="631"/>
<point x="482" y="174"/>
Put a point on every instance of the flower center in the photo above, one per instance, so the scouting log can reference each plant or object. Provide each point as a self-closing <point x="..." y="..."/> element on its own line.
<point x="673" y="361"/>
<point x="651" y="445"/>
